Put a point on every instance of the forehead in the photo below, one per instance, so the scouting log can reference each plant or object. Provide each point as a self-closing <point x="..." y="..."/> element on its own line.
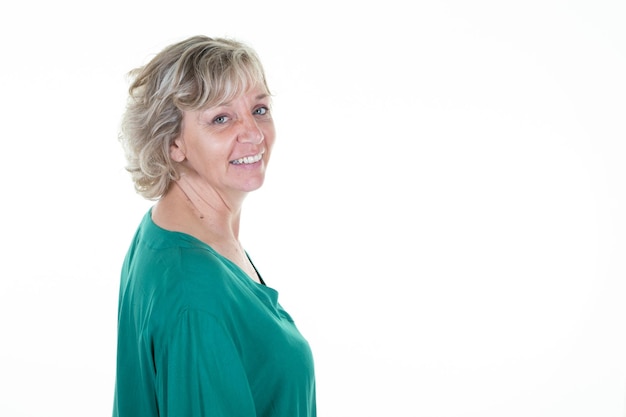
<point x="232" y="88"/>
<point x="253" y="94"/>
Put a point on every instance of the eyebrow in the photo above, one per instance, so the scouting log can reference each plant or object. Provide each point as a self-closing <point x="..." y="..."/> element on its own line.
<point x="228" y="103"/>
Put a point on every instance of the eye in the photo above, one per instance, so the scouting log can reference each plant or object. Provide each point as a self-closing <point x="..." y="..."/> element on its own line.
<point x="220" y="120"/>
<point x="261" y="111"/>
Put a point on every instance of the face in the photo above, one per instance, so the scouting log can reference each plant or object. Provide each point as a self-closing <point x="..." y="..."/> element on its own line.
<point x="227" y="147"/>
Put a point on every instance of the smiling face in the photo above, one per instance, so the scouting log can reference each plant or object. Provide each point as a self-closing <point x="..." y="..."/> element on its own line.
<point x="227" y="147"/>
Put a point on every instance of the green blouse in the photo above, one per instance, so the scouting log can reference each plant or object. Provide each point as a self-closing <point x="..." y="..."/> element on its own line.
<point x="198" y="337"/>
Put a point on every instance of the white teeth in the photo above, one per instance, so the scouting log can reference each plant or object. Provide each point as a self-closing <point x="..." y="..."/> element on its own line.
<point x="248" y="159"/>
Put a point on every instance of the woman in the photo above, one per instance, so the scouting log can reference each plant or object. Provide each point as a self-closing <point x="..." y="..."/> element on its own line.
<point x="199" y="332"/>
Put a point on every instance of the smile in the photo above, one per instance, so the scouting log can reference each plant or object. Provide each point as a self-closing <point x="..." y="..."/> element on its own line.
<point x="248" y="159"/>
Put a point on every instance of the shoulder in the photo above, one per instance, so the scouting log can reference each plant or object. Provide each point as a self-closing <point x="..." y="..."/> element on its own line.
<point x="174" y="270"/>
<point x="160" y="252"/>
<point x="176" y="283"/>
<point x="189" y="276"/>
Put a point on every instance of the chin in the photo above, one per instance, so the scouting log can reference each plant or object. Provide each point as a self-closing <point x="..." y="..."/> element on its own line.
<point x="252" y="185"/>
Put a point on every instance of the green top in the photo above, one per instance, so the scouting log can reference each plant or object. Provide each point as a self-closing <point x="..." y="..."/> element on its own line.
<point x="198" y="337"/>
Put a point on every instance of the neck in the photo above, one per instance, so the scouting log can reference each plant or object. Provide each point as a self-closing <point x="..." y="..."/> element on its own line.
<point x="202" y="209"/>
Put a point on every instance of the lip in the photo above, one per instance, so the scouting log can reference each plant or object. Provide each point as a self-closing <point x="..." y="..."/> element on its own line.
<point x="251" y="159"/>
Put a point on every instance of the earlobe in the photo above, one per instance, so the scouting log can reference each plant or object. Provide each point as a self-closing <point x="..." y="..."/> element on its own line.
<point x="176" y="151"/>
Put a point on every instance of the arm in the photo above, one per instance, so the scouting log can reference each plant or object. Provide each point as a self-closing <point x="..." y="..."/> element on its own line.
<point x="199" y="371"/>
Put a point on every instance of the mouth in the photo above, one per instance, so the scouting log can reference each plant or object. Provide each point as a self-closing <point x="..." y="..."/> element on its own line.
<point x="246" y="160"/>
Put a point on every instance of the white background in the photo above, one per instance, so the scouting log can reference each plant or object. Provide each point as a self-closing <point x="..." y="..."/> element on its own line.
<point x="443" y="216"/>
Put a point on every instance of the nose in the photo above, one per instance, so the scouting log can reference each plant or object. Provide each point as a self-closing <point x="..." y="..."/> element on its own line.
<point x="250" y="131"/>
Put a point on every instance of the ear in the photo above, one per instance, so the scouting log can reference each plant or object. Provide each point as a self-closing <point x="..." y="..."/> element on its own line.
<point x="177" y="150"/>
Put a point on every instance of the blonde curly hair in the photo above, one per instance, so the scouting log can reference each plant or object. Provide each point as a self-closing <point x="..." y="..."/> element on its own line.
<point x="193" y="74"/>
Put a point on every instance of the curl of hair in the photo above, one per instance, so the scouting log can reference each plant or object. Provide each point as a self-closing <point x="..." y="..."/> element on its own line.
<point x="194" y="74"/>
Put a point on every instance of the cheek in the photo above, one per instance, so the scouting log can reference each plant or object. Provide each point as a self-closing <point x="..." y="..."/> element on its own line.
<point x="205" y="157"/>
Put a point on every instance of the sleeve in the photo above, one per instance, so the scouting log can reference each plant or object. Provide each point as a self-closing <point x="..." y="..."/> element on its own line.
<point x="200" y="373"/>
